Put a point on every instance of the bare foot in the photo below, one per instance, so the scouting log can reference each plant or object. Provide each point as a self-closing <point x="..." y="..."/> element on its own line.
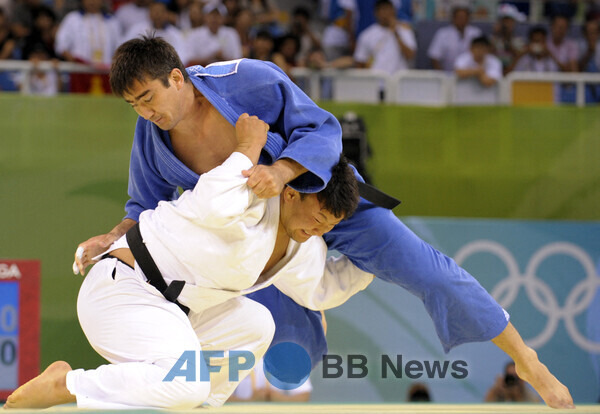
<point x="47" y="389"/>
<point x="552" y="391"/>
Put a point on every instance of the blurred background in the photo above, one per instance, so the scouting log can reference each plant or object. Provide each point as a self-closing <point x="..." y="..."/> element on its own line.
<point x="481" y="116"/>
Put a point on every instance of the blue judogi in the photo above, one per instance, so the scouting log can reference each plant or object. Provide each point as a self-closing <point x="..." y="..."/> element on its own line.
<point x="373" y="238"/>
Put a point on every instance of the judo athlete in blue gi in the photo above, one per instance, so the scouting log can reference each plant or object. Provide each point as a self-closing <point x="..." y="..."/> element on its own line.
<point x="186" y="127"/>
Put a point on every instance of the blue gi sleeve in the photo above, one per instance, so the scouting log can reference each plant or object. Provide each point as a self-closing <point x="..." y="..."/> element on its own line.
<point x="147" y="186"/>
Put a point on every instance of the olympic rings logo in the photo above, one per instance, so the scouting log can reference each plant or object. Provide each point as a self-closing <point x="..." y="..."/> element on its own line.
<point x="539" y="293"/>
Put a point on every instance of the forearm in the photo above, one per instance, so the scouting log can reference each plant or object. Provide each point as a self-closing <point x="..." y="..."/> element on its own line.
<point x="404" y="49"/>
<point x="467" y="73"/>
<point x="289" y="169"/>
<point x="121" y="228"/>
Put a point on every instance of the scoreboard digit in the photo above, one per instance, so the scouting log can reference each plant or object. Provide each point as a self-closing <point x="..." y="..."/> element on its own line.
<point x="19" y="323"/>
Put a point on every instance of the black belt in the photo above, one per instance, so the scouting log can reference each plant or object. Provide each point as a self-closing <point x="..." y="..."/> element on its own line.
<point x="144" y="260"/>
<point x="377" y="197"/>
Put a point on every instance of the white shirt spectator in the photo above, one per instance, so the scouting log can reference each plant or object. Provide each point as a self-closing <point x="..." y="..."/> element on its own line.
<point x="92" y="38"/>
<point x="203" y="44"/>
<point x="170" y="33"/>
<point x="491" y="64"/>
<point x="447" y="44"/>
<point x="528" y="63"/>
<point x="379" y="45"/>
<point x="130" y="14"/>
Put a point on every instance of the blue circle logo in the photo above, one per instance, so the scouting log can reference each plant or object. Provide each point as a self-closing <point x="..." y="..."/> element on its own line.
<point x="287" y="365"/>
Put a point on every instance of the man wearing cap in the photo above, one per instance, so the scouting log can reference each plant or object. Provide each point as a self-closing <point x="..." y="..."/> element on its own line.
<point x="506" y="45"/>
<point x="213" y="41"/>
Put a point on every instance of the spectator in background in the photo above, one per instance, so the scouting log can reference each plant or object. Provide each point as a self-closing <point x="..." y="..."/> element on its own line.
<point x="232" y="7"/>
<point x="43" y="33"/>
<point x="7" y="41"/>
<point x="365" y="15"/>
<point x="22" y="17"/>
<point x="505" y="45"/>
<point x="242" y="23"/>
<point x="266" y="16"/>
<point x="566" y="8"/>
<point x="196" y="15"/>
<point x="88" y="35"/>
<point x="537" y="58"/>
<point x="387" y="45"/>
<point x="338" y="37"/>
<point x="213" y="42"/>
<point x="510" y="388"/>
<point x="179" y="14"/>
<point x="37" y="81"/>
<point x="309" y="39"/>
<point x="590" y="57"/>
<point x="286" y="53"/>
<point x="452" y="40"/>
<point x="479" y="63"/>
<point x="418" y="392"/>
<point x="132" y="13"/>
<point x="159" y="24"/>
<point x="262" y="46"/>
<point x="563" y="49"/>
<point x="91" y="37"/>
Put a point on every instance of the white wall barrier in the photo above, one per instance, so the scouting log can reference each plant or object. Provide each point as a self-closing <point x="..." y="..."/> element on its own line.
<point x="410" y="87"/>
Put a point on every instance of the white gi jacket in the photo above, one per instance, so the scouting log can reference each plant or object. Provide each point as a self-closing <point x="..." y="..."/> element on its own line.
<point x="219" y="236"/>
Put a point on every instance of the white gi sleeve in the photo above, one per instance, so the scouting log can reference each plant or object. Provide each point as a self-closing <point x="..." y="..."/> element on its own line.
<point x="320" y="289"/>
<point x="222" y="196"/>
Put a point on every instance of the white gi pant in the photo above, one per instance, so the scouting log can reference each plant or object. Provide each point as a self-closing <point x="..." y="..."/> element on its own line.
<point x="129" y="323"/>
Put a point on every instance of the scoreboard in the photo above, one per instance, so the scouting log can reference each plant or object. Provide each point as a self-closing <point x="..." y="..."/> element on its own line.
<point x="19" y="323"/>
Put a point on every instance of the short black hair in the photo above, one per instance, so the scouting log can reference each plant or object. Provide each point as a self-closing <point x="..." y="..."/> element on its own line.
<point x="264" y="34"/>
<point x="537" y="29"/>
<point x="340" y="197"/>
<point x="301" y="11"/>
<point x="143" y="58"/>
<point x="481" y="40"/>
<point x="380" y="3"/>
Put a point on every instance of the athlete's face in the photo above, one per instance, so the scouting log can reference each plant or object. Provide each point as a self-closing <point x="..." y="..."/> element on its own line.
<point x="157" y="103"/>
<point x="304" y="217"/>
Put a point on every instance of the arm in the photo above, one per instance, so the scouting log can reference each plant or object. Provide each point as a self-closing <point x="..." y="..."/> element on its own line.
<point x="435" y="51"/>
<point x="221" y="195"/>
<point x="335" y="284"/>
<point x="312" y="135"/>
<point x="587" y="56"/>
<point x="530" y="369"/>
<point x="98" y="244"/>
<point x="406" y="40"/>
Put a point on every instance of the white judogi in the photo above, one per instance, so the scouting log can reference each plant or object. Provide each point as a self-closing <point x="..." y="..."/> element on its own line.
<point x="218" y="238"/>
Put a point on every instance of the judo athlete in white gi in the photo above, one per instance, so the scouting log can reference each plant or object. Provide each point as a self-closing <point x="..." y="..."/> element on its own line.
<point x="224" y="242"/>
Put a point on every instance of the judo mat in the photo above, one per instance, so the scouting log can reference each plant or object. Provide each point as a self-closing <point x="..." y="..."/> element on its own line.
<point x="306" y="408"/>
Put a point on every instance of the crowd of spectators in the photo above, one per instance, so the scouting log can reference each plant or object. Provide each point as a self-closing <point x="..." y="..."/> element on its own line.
<point x="375" y="34"/>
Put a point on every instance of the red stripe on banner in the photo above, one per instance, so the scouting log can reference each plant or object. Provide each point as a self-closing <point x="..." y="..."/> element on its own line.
<point x="28" y="352"/>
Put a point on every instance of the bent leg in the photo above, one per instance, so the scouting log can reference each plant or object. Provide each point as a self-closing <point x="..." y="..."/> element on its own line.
<point x="240" y="324"/>
<point x="130" y="324"/>
<point x="294" y="323"/>
<point x="379" y="243"/>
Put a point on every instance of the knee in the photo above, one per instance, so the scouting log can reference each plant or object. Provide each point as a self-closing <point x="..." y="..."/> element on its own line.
<point x="261" y="326"/>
